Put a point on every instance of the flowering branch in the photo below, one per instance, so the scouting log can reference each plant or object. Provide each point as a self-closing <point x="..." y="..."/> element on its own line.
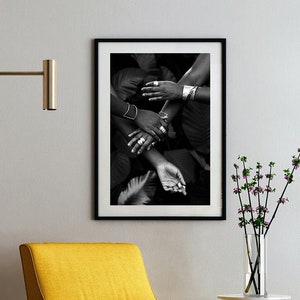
<point x="289" y="179"/>
<point x="270" y="176"/>
<point x="242" y="210"/>
<point x="253" y="188"/>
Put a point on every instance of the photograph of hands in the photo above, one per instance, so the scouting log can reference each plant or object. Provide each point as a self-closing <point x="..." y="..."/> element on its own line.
<point x="160" y="128"/>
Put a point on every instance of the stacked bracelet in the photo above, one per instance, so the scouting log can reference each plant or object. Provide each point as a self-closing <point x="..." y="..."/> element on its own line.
<point x="131" y="112"/>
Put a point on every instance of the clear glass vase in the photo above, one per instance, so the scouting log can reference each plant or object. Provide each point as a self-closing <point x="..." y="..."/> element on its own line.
<point x="255" y="265"/>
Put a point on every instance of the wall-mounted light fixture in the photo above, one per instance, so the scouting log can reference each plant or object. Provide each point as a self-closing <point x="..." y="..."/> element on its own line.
<point x="49" y="82"/>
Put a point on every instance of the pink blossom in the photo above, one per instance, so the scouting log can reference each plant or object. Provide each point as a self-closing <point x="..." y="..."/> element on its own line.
<point x="236" y="191"/>
<point x="268" y="189"/>
<point x="282" y="200"/>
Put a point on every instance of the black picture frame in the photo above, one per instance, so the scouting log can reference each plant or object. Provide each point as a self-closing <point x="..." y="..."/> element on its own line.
<point x="111" y="57"/>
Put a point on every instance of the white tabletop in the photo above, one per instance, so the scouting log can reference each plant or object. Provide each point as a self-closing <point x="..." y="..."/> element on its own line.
<point x="268" y="297"/>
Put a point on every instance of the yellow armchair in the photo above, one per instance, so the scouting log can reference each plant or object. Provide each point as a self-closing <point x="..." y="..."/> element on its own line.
<point x="84" y="271"/>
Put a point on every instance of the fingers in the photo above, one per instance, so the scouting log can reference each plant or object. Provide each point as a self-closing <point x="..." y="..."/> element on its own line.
<point x="144" y="146"/>
<point x="153" y="93"/>
<point x="181" y="184"/>
<point x="176" y="188"/>
<point x="181" y="179"/>
<point x="179" y="188"/>
<point x="150" y="89"/>
<point x="151" y="146"/>
<point x="134" y="140"/>
<point x="162" y="130"/>
<point x="135" y="148"/>
<point x="160" y="98"/>
<point x="152" y="83"/>
<point x="154" y="96"/>
<point x="157" y="134"/>
<point x="140" y="142"/>
<point x="134" y="132"/>
<point x="157" y="83"/>
<point x="182" y="189"/>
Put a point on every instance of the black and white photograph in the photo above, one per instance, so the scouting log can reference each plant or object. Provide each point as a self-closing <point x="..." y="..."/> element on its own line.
<point x="160" y="115"/>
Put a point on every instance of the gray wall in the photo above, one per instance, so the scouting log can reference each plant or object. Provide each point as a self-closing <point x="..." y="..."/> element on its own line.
<point x="46" y="158"/>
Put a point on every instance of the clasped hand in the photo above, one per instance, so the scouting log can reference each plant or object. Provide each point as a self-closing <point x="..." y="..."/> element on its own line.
<point x="151" y="123"/>
<point x="140" y="141"/>
<point x="152" y="129"/>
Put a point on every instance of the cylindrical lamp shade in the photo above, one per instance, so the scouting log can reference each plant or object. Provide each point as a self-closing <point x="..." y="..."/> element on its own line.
<point x="49" y="85"/>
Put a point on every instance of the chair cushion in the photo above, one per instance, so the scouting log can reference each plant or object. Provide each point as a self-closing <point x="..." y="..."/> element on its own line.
<point x="84" y="271"/>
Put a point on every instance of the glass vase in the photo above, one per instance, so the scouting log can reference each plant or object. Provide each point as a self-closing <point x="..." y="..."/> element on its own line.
<point x="255" y="265"/>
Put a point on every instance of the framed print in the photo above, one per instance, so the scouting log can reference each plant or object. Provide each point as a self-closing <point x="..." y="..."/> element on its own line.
<point x="160" y="128"/>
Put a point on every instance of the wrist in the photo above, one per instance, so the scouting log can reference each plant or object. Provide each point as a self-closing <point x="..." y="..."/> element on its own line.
<point x="159" y="166"/>
<point x="180" y="92"/>
<point x="155" y="158"/>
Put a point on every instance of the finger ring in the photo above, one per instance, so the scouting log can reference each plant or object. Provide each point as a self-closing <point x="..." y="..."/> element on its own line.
<point x="141" y="141"/>
<point x="163" y="129"/>
<point x="151" y="145"/>
<point x="164" y="116"/>
<point x="155" y="83"/>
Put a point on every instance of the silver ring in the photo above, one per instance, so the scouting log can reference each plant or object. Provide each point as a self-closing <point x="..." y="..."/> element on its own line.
<point x="163" y="129"/>
<point x="141" y="141"/>
<point x="164" y="116"/>
<point x="151" y="146"/>
<point x="155" y="83"/>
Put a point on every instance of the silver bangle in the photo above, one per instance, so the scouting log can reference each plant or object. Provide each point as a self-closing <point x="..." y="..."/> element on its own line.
<point x="186" y="91"/>
<point x="189" y="92"/>
<point x="192" y="93"/>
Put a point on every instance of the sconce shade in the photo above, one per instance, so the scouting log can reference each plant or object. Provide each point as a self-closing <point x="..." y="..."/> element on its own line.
<point x="49" y="85"/>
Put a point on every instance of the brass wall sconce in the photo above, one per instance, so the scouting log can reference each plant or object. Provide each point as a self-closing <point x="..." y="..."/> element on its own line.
<point x="49" y="82"/>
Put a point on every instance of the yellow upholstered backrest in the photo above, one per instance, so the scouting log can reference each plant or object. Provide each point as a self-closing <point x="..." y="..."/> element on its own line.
<point x="84" y="271"/>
